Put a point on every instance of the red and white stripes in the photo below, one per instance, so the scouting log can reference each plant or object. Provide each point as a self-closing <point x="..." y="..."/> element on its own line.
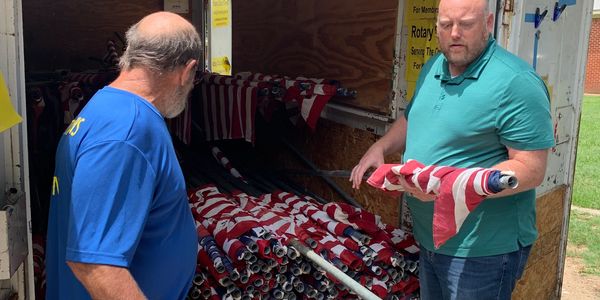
<point x="263" y="263"/>
<point x="224" y="161"/>
<point x="228" y="111"/>
<point x="458" y="191"/>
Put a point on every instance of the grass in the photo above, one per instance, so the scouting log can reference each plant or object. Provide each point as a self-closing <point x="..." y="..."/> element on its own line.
<point x="584" y="229"/>
<point x="584" y="234"/>
<point x="586" y="189"/>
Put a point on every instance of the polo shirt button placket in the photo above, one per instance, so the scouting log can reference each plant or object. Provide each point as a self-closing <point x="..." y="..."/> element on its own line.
<point x="440" y="101"/>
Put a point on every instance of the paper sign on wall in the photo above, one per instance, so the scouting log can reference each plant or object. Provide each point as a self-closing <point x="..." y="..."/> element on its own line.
<point x="177" y="6"/>
<point x="221" y="65"/>
<point x="220" y="13"/>
<point x="421" y="9"/>
<point x="422" y="44"/>
<point x="8" y="115"/>
<point x="420" y="18"/>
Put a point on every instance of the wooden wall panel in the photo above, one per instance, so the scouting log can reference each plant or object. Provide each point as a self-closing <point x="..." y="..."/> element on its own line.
<point x="348" y="40"/>
<point x="336" y="146"/>
<point x="64" y="33"/>
<point x="331" y="147"/>
<point x="540" y="279"/>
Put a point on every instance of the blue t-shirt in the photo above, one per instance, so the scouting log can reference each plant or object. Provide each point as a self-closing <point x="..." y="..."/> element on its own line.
<point x="119" y="199"/>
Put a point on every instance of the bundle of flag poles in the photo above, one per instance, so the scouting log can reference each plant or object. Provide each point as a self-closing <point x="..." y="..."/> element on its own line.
<point x="281" y="245"/>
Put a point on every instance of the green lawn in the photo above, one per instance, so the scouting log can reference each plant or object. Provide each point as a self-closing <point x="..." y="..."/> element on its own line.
<point x="584" y="229"/>
<point x="584" y="234"/>
<point x="586" y="190"/>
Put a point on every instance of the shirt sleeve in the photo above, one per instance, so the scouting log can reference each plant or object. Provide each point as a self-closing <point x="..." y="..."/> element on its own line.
<point x="111" y="197"/>
<point x="524" y="121"/>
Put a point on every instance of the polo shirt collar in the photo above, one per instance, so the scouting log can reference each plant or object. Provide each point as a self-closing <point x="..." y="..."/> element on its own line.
<point x="474" y="69"/>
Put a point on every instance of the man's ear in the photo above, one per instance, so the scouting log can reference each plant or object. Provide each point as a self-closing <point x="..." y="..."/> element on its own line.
<point x="490" y="22"/>
<point x="188" y="72"/>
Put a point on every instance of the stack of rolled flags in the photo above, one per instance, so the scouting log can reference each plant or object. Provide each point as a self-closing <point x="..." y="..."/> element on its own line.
<point x="245" y="251"/>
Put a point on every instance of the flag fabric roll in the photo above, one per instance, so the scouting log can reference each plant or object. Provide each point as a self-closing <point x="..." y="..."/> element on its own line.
<point x="458" y="191"/>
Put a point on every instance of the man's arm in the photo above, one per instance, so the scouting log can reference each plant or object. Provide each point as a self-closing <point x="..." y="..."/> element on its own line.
<point x="106" y="282"/>
<point x="393" y="141"/>
<point x="529" y="168"/>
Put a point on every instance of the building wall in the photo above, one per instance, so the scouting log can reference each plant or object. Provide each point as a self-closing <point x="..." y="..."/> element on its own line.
<point x="592" y="72"/>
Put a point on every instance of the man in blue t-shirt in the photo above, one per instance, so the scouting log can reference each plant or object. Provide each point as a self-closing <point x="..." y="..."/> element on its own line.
<point x="475" y="105"/>
<point x="120" y="226"/>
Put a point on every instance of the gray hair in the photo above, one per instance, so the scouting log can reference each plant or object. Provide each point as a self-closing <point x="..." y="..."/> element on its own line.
<point x="160" y="52"/>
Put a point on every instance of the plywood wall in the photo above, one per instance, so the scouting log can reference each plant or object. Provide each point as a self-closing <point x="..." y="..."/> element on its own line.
<point x="540" y="279"/>
<point x="64" y="33"/>
<point x="336" y="147"/>
<point x="348" y="40"/>
<point x="331" y="147"/>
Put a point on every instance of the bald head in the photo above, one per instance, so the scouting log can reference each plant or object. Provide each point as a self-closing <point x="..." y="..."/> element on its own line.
<point x="161" y="42"/>
<point x="474" y="5"/>
<point x="161" y="23"/>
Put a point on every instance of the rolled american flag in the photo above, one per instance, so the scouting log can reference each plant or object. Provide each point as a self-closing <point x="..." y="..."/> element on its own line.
<point x="458" y="191"/>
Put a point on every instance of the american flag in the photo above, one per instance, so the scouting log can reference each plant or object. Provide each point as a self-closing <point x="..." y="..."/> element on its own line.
<point x="458" y="191"/>
<point x="228" y="109"/>
<point x="304" y="98"/>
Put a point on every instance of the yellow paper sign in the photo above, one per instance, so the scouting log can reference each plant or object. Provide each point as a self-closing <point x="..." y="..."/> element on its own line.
<point x="420" y="9"/>
<point x="221" y="65"/>
<point x="419" y="19"/>
<point x="220" y="13"/>
<point x="422" y="44"/>
<point x="8" y="115"/>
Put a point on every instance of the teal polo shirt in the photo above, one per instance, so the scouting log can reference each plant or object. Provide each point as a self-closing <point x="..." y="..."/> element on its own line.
<point x="468" y="121"/>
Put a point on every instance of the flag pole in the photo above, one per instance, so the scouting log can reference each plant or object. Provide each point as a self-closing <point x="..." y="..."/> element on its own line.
<point x="337" y="273"/>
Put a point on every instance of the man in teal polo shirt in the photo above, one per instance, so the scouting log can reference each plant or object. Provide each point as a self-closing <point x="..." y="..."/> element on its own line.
<point x="476" y="105"/>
